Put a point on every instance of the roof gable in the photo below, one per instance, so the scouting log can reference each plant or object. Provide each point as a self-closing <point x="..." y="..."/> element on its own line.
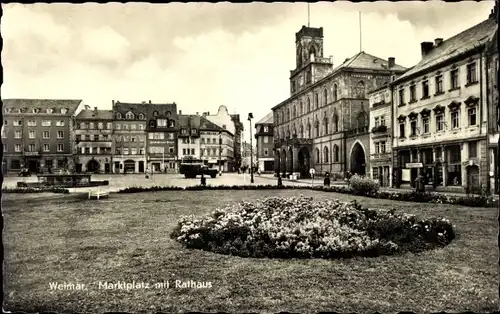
<point x="55" y="105"/>
<point x="268" y="119"/>
<point x="363" y="60"/>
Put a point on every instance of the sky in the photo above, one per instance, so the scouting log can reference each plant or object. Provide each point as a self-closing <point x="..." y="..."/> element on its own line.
<point x="203" y="55"/>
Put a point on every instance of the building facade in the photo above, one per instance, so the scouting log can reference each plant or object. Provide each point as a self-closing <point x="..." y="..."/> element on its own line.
<point x="492" y="64"/>
<point x="94" y="141"/>
<point x="161" y="137"/>
<point x="441" y="115"/>
<point x="216" y="146"/>
<point x="380" y="101"/>
<point x="264" y="139"/>
<point x="188" y="141"/>
<point x="230" y="123"/>
<point x="324" y="123"/>
<point x="129" y="139"/>
<point x="38" y="134"/>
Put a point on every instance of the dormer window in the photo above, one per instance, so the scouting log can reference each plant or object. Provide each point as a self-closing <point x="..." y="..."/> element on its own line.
<point x="152" y="124"/>
<point x="171" y="123"/>
<point x="155" y="113"/>
<point x="50" y="110"/>
<point x="193" y="131"/>
<point x="129" y="116"/>
<point x="118" y="115"/>
<point x="64" y="110"/>
<point x="36" y="110"/>
<point x="141" y="116"/>
<point x="168" y="114"/>
<point x="184" y="131"/>
<point x="266" y="129"/>
<point x="21" y="110"/>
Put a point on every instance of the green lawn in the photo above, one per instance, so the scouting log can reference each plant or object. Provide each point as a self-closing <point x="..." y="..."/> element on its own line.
<point x="126" y="238"/>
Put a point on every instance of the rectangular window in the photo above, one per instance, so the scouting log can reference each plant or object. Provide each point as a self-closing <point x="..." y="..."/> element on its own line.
<point x="17" y="148"/>
<point x="382" y="120"/>
<point x="141" y="127"/>
<point x="105" y="137"/>
<point x="413" y="125"/>
<point x="439" y="122"/>
<point x="473" y="149"/>
<point x="109" y="125"/>
<point x="171" y="150"/>
<point x="401" y="97"/>
<point x="46" y="134"/>
<point x="439" y="84"/>
<point x="425" y="89"/>
<point x="132" y="139"/>
<point x="83" y="125"/>
<point x="266" y="152"/>
<point x="31" y="123"/>
<point x="60" y="123"/>
<point x="134" y="151"/>
<point x="266" y="139"/>
<point x="471" y="73"/>
<point x="126" y="138"/>
<point x="402" y="129"/>
<point x="17" y="123"/>
<point x="184" y="151"/>
<point x="425" y="124"/>
<point x="31" y="134"/>
<point x="133" y="127"/>
<point x="118" y="139"/>
<point x="60" y="134"/>
<point x="95" y="137"/>
<point x="125" y="151"/>
<point x="125" y="126"/>
<point x="455" y="119"/>
<point x="375" y="173"/>
<point x="60" y="147"/>
<point x="161" y="122"/>
<point x="91" y="125"/>
<point x="454" y="78"/>
<point x="377" y="121"/>
<point x="46" y="123"/>
<point x="472" y="116"/>
<point x="377" y="148"/>
<point x="4" y="135"/>
<point x="192" y="151"/>
<point x="46" y="147"/>
<point x="100" y="125"/>
<point x="31" y="147"/>
<point x="413" y="93"/>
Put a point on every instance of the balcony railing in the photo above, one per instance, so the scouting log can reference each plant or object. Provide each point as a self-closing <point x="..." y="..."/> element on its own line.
<point x="360" y="130"/>
<point x="379" y="129"/>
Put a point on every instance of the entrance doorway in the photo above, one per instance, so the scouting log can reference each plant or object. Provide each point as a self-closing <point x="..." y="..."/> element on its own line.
<point x="141" y="166"/>
<point x="93" y="166"/>
<point x="358" y="161"/>
<point x="33" y="166"/>
<point x="304" y="162"/>
<point x="473" y="179"/>
<point x="107" y="167"/>
<point x="129" y="166"/>
<point x="79" y="168"/>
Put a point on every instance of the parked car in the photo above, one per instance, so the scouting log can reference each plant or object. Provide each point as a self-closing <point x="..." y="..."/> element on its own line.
<point x="24" y="172"/>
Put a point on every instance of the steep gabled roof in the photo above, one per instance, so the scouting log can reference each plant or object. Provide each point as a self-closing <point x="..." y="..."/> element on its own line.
<point x="363" y="60"/>
<point x="189" y="121"/>
<point x="56" y="104"/>
<point x="471" y="38"/>
<point x="95" y="115"/>
<point x="268" y="119"/>
<point x="136" y="108"/>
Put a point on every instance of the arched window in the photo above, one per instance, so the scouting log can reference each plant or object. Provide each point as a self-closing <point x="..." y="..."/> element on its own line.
<point x="361" y="120"/>
<point x="325" y="97"/>
<point x="309" y="130"/>
<point x="288" y="132"/>
<point x="301" y="131"/>
<point x="312" y="53"/>
<point x="168" y="114"/>
<point x="316" y="101"/>
<point x="325" y="155"/>
<point x="294" y="131"/>
<point x="317" y="156"/>
<point x="141" y="116"/>
<point x="325" y="125"/>
<point x="360" y="90"/>
<point x="335" y="123"/>
<point x="288" y="114"/>
<point x="308" y="104"/>
<point x="118" y="115"/>
<point x="129" y="115"/>
<point x="294" y="114"/>
<point x="316" y="128"/>
<point x="335" y="153"/>
<point x="335" y="92"/>
<point x="301" y="108"/>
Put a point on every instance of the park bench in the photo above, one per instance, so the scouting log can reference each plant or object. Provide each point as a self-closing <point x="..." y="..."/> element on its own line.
<point x="98" y="193"/>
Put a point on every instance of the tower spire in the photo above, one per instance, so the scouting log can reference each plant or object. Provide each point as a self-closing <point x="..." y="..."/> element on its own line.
<point x="360" y="31"/>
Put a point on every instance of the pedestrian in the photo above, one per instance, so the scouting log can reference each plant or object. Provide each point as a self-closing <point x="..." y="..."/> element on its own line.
<point x="280" y="182"/>
<point x="203" y="180"/>
<point x="326" y="181"/>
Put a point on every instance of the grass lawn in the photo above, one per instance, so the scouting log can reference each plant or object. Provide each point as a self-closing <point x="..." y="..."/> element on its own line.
<point x="126" y="238"/>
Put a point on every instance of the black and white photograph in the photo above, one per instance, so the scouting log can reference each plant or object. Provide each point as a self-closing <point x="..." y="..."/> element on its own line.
<point x="250" y="157"/>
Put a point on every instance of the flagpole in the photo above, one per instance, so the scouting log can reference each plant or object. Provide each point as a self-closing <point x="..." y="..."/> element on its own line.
<point x="308" y="15"/>
<point x="360" y="38"/>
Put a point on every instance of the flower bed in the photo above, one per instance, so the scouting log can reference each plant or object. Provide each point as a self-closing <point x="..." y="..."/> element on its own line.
<point x="303" y="228"/>
<point x="35" y="190"/>
<point x="209" y="187"/>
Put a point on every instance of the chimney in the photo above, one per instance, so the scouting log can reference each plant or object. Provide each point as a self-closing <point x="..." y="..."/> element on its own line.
<point x="391" y="61"/>
<point x="426" y="47"/>
<point x="180" y="112"/>
<point x="331" y="59"/>
<point x="438" y="41"/>
<point x="150" y="101"/>
<point x="87" y="107"/>
<point x="494" y="11"/>
<point x="113" y="102"/>
<point x="197" y="113"/>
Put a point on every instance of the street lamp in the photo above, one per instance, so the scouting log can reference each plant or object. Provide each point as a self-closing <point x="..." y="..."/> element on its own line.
<point x="220" y="153"/>
<point x="250" y="117"/>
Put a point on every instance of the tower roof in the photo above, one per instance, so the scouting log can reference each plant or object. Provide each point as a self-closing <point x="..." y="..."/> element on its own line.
<point x="309" y="31"/>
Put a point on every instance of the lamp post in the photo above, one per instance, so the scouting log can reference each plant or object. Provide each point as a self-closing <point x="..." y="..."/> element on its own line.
<point x="250" y="117"/>
<point x="220" y="153"/>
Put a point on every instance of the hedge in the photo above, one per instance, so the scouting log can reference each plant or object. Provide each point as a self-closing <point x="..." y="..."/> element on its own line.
<point x="35" y="190"/>
<point x="419" y="197"/>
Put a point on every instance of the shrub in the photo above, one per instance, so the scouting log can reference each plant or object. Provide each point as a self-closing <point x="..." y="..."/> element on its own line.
<point x="304" y="228"/>
<point x="363" y="185"/>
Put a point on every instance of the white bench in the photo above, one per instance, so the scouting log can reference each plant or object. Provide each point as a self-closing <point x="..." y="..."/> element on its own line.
<point x="98" y="194"/>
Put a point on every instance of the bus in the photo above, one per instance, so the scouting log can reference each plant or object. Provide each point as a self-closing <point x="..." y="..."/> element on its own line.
<point x="191" y="167"/>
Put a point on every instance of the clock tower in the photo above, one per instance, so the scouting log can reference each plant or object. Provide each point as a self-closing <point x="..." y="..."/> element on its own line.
<point x="311" y="66"/>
